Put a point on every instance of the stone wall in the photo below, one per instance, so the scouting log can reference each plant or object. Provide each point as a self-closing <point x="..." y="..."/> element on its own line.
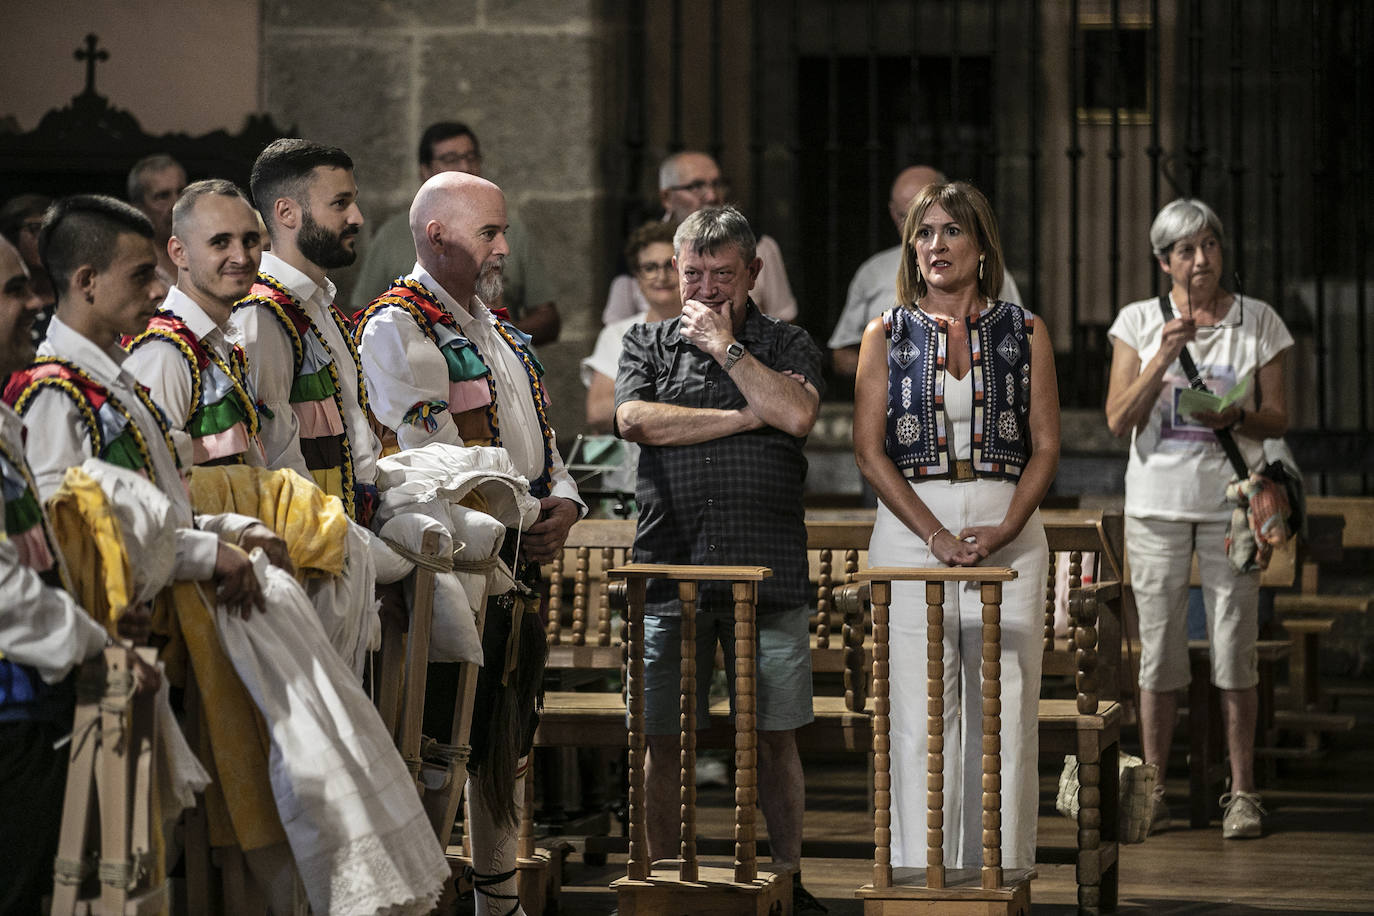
<point x="527" y="75"/>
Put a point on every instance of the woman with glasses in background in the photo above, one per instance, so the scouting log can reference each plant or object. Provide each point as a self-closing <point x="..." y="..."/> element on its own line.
<point x="1176" y="481"/>
<point x="649" y="254"/>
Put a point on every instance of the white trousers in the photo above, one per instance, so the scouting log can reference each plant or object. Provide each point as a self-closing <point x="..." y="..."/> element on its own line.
<point x="956" y="505"/>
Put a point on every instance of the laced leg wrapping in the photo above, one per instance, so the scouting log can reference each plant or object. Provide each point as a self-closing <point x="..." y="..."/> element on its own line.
<point x="493" y="858"/>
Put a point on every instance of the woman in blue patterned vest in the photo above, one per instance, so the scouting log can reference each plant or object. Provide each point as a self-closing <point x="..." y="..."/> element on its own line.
<point x="956" y="428"/>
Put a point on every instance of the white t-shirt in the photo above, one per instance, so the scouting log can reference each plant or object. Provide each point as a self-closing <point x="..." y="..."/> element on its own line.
<point x="1177" y="469"/>
<point x="605" y="356"/>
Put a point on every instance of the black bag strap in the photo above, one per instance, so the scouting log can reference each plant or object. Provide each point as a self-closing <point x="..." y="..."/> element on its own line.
<point x="1185" y="359"/>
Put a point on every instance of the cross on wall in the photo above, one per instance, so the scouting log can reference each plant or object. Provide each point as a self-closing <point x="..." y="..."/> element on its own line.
<point x="91" y="55"/>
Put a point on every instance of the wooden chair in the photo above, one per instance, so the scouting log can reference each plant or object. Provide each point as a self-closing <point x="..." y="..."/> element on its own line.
<point x="113" y="761"/>
<point x="693" y="887"/>
<point x="990" y="889"/>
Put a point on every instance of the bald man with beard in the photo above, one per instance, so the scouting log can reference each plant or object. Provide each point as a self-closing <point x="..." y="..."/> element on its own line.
<point x="441" y="367"/>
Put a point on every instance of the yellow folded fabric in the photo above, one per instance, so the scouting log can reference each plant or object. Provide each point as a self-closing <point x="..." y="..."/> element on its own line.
<point x="88" y="535"/>
<point x="231" y="735"/>
<point x="313" y="524"/>
<point x="240" y="808"/>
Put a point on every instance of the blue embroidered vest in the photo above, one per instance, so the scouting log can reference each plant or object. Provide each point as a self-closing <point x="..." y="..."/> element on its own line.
<point x="916" y="440"/>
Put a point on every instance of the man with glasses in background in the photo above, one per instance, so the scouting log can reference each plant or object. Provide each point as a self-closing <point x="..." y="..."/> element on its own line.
<point x="688" y="181"/>
<point x="451" y="146"/>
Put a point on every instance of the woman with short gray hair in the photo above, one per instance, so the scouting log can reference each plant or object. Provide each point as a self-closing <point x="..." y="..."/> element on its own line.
<point x="1176" y="480"/>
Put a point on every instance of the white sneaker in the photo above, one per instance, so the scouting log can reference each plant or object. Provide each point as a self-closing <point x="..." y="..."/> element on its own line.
<point x="1159" y="812"/>
<point x="1243" y="817"/>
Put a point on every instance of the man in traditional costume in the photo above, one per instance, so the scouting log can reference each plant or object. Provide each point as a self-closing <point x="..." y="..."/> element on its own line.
<point x="44" y="635"/>
<point x="441" y="367"/>
<point x="191" y="368"/>
<point x="78" y="401"/>
<point x="301" y="361"/>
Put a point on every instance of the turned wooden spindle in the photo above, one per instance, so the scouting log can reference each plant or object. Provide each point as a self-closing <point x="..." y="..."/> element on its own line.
<point x="638" y="864"/>
<point x="687" y="714"/>
<point x="746" y="753"/>
<point x="579" y="619"/>
<point x="1084" y="610"/>
<point x="553" y="626"/>
<point x="1075" y="568"/>
<point x="992" y="734"/>
<point x="935" y="734"/>
<point x="824" y="597"/>
<point x="855" y="596"/>
<point x="603" y="600"/>
<point x="1050" y="595"/>
<point x="882" y="741"/>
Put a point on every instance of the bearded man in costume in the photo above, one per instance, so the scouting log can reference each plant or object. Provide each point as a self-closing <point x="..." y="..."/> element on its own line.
<point x="441" y="367"/>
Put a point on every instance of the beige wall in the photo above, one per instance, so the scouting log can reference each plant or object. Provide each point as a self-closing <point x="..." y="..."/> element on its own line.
<point x="526" y="75"/>
<point x="185" y="66"/>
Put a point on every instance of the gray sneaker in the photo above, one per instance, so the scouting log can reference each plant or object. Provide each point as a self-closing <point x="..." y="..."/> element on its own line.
<point x="1243" y="815"/>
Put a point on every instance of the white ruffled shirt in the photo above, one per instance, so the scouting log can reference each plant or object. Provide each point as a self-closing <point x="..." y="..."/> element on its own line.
<point x="58" y="440"/>
<point x="403" y="368"/>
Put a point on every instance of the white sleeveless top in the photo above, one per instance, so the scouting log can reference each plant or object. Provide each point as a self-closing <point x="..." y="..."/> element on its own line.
<point x="959" y="415"/>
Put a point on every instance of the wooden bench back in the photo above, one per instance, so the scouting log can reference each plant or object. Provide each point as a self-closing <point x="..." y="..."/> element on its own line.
<point x="837" y="547"/>
<point x="1358" y="512"/>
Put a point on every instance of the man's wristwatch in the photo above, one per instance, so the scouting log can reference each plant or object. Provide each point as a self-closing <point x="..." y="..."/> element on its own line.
<point x="733" y="354"/>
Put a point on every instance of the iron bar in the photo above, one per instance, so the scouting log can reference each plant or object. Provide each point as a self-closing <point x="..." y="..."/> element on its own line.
<point x="1114" y="159"/>
<point x="1239" y="218"/>
<point x="1321" y="350"/>
<point x="675" y="142"/>
<point x="1361" y="223"/>
<point x="756" y="125"/>
<point x="1075" y="154"/>
<point x="1194" y="143"/>
<point x="1276" y="163"/>
<point x="1033" y="152"/>
<point x="1154" y="150"/>
<point x="832" y="148"/>
<point x="717" y="140"/>
<point x="873" y="146"/>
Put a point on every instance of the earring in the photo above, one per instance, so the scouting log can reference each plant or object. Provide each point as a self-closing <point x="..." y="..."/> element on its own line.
<point x="981" y="258"/>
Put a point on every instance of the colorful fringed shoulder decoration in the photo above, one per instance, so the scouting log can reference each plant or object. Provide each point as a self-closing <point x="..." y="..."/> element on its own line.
<point x="114" y="435"/>
<point x="471" y="385"/>
<point x="223" y="417"/>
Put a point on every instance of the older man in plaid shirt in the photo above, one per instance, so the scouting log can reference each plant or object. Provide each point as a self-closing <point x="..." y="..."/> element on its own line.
<point x="721" y="400"/>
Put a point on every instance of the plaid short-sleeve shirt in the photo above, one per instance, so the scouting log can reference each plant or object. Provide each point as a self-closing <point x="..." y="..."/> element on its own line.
<point x="731" y="501"/>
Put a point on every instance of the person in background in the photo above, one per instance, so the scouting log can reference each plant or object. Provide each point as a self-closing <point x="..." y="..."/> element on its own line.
<point x="451" y="146"/>
<point x="154" y="184"/>
<point x="874" y="287"/>
<point x="21" y="219"/>
<point x="1176" y="480"/>
<point x="649" y="252"/>
<point x="688" y="181"/>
